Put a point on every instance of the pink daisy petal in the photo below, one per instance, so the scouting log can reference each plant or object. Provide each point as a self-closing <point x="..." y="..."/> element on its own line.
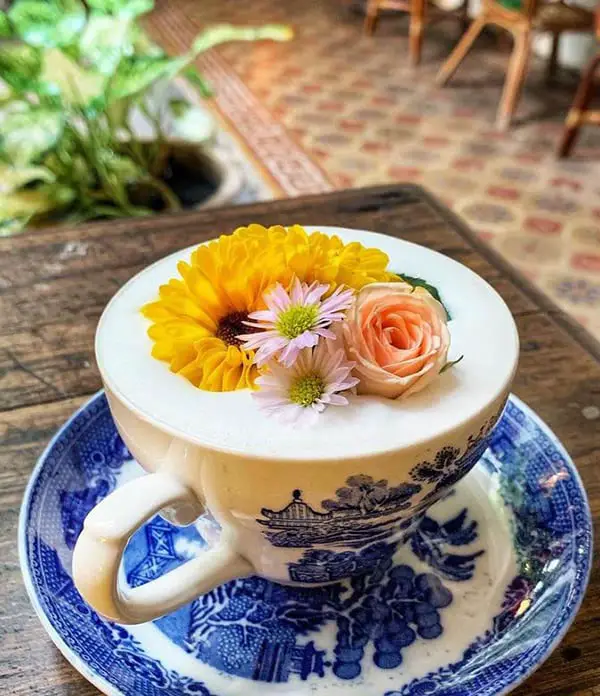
<point x="297" y="296"/>
<point x="289" y="354"/>
<point x="267" y="315"/>
<point x="280" y="385"/>
<point x="325" y="333"/>
<point x="337" y="303"/>
<point x="278" y="300"/>
<point x="337" y="400"/>
<point x="258" y="339"/>
<point x="274" y="322"/>
<point x="292" y="413"/>
<point x="315" y="293"/>
<point x="308" y="339"/>
<point x="268" y="351"/>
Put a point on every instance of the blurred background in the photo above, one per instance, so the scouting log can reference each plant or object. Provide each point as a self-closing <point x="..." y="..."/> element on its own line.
<point x="113" y="108"/>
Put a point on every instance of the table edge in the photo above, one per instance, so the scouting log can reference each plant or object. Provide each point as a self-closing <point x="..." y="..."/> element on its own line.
<point x="575" y="330"/>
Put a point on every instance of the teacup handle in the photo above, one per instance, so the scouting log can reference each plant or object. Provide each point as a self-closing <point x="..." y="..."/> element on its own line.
<point x="107" y="529"/>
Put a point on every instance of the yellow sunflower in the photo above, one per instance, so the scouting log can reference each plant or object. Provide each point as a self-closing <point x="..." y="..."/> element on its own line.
<point x="198" y="317"/>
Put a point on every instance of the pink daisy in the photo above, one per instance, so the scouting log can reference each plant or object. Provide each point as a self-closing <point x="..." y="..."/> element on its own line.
<point x="299" y="393"/>
<point x="294" y="321"/>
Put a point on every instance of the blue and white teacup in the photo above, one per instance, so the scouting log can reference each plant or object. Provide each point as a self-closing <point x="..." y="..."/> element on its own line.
<point x="301" y="506"/>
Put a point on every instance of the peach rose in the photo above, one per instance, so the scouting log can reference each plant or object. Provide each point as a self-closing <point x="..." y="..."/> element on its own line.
<point x="398" y="336"/>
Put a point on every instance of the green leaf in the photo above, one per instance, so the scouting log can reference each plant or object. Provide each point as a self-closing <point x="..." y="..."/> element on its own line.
<point x="61" y="75"/>
<point x="190" y="122"/>
<point x="104" y="42"/>
<point x="196" y="80"/>
<point x="13" y="178"/>
<point x="10" y="226"/>
<point x="48" y="23"/>
<point x="450" y="363"/>
<point x="34" y="202"/>
<point x="179" y="107"/>
<point x="431" y="289"/>
<point x="120" y="166"/>
<point x="20" y="65"/>
<point x="26" y="135"/>
<point x="5" y="93"/>
<point x="137" y="73"/>
<point x="14" y="106"/>
<point x="222" y="33"/>
<point x="142" y="44"/>
<point x="130" y="8"/>
<point x="5" y="28"/>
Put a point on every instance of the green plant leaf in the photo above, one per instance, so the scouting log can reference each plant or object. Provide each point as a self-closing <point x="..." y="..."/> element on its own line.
<point x="191" y="122"/>
<point x="450" y="363"/>
<point x="34" y="202"/>
<point x="137" y="73"/>
<point x="27" y="135"/>
<point x="179" y="107"/>
<point x="14" y="106"/>
<point x="48" y="23"/>
<point x="20" y="65"/>
<point x="13" y="178"/>
<point x="143" y="44"/>
<point x="131" y="8"/>
<point x="10" y="226"/>
<point x="431" y="289"/>
<point x="104" y="42"/>
<point x="5" y="28"/>
<point x="6" y="94"/>
<point x="222" y="33"/>
<point x="120" y="166"/>
<point x="61" y="75"/>
<point x="196" y="80"/>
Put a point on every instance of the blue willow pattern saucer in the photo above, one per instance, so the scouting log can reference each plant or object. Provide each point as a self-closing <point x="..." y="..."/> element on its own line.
<point x="479" y="595"/>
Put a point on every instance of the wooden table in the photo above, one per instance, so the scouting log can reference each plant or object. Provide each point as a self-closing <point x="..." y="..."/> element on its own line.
<point x="55" y="283"/>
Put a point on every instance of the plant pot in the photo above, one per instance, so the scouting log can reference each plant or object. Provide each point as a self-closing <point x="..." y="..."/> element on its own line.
<point x="227" y="174"/>
<point x="197" y="173"/>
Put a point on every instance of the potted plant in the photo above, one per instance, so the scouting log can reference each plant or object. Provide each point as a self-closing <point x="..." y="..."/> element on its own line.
<point x="74" y="78"/>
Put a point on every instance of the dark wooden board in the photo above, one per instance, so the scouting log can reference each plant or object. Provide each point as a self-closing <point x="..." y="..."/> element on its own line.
<point x="55" y="283"/>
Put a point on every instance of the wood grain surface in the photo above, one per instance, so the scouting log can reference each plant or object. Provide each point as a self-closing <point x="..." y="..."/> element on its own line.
<point x="55" y="283"/>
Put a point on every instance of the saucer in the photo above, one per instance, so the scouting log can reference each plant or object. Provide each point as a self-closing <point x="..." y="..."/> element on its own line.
<point x="475" y="600"/>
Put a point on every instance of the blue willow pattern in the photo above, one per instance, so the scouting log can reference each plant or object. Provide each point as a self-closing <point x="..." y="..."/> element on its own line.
<point x="259" y="630"/>
<point x="376" y="614"/>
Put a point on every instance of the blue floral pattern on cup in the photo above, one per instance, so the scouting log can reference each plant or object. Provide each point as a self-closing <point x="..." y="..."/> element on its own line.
<point x="274" y="631"/>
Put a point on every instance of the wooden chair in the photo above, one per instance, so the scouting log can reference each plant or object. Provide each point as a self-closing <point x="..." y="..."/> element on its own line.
<point x="521" y="19"/>
<point x="579" y="113"/>
<point x="421" y="13"/>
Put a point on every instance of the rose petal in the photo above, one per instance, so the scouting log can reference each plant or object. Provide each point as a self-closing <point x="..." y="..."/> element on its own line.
<point x="397" y="336"/>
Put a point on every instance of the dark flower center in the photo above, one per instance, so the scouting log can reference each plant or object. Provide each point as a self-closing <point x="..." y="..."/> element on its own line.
<point x="231" y="326"/>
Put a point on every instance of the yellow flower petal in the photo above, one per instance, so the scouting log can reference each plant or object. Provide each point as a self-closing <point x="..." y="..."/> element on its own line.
<point x="232" y="274"/>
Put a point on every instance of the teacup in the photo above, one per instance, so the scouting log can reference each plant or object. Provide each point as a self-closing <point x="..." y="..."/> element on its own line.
<point x="300" y="506"/>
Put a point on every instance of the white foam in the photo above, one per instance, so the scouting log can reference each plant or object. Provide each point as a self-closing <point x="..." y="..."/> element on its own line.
<point x="482" y="329"/>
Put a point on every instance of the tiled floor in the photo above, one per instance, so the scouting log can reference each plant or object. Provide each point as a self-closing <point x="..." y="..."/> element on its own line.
<point x="347" y="110"/>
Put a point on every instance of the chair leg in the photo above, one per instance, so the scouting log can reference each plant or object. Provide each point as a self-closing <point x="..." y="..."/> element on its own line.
<point x="415" y="31"/>
<point x="584" y="94"/>
<point x="371" y="16"/>
<point x="515" y="76"/>
<point x="463" y="15"/>
<point x="553" y="59"/>
<point x="460" y="51"/>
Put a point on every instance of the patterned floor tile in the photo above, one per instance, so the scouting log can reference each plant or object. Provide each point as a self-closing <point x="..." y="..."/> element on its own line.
<point x="334" y="108"/>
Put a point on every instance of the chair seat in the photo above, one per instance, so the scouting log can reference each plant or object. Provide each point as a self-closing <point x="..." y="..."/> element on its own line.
<point x="557" y="16"/>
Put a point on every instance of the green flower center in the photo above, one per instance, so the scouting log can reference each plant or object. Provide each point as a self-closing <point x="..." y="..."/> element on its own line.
<point x="297" y="319"/>
<point x="307" y="389"/>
